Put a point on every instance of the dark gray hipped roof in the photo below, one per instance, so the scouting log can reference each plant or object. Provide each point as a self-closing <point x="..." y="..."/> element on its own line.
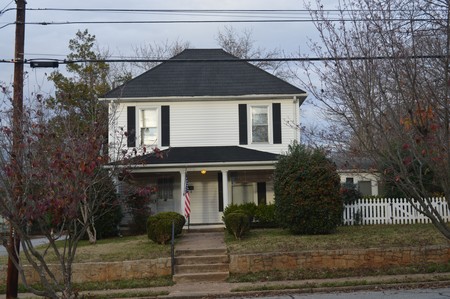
<point x="204" y="154"/>
<point x="201" y="73"/>
<point x="347" y="161"/>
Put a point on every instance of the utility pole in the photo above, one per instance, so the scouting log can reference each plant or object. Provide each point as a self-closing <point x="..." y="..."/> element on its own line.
<point x="12" y="278"/>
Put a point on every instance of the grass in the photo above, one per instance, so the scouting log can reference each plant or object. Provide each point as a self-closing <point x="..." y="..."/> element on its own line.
<point x="109" y="285"/>
<point x="337" y="284"/>
<point x="162" y="281"/>
<point x="114" y="249"/>
<point x="121" y="249"/>
<point x="346" y="237"/>
<point x="128" y="294"/>
<point x="302" y="274"/>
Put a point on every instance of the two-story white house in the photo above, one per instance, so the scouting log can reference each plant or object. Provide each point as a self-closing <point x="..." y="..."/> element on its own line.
<point x="219" y="122"/>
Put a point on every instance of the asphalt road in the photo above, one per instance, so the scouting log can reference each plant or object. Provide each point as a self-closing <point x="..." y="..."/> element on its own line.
<point x="385" y="294"/>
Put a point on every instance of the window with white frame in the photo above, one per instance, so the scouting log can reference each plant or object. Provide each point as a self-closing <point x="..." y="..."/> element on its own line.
<point x="260" y="124"/>
<point x="148" y="123"/>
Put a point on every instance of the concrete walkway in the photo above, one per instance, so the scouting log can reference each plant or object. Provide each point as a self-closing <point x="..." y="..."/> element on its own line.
<point x="196" y="239"/>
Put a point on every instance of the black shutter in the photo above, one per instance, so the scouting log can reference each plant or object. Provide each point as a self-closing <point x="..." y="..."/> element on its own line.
<point x="276" y="119"/>
<point x="165" y="125"/>
<point x="243" y="124"/>
<point x="261" y="189"/>
<point x="220" y="182"/>
<point x="131" y="126"/>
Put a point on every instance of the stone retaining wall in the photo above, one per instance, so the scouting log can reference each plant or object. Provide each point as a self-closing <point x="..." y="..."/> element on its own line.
<point x="338" y="259"/>
<point x="247" y="263"/>
<point x="108" y="271"/>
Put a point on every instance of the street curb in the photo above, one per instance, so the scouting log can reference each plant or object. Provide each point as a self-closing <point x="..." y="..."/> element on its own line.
<point x="373" y="285"/>
<point x="312" y="290"/>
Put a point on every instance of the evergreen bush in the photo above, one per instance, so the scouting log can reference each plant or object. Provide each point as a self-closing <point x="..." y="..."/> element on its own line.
<point x="237" y="224"/>
<point x="350" y="193"/>
<point x="306" y="185"/>
<point x="159" y="226"/>
<point x="248" y="208"/>
<point x="107" y="225"/>
<point x="265" y="216"/>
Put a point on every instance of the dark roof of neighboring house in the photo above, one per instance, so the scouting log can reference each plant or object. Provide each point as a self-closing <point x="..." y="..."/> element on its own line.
<point x="349" y="162"/>
<point x="201" y="73"/>
<point x="204" y="154"/>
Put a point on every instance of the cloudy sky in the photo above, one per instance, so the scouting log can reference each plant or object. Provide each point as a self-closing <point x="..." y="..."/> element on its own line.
<point x="51" y="41"/>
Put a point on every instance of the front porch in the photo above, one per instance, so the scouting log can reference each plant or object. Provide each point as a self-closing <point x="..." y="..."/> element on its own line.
<point x="215" y="177"/>
<point x="210" y="190"/>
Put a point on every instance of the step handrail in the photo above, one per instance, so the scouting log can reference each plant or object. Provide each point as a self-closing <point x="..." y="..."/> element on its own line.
<point x="172" y="249"/>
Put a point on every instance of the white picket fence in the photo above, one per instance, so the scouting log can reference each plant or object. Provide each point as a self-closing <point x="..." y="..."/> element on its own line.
<point x="390" y="211"/>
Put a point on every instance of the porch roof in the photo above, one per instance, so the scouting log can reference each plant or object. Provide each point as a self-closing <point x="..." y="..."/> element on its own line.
<point x="205" y="154"/>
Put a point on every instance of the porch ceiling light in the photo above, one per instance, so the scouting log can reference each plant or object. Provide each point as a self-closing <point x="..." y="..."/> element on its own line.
<point x="203" y="171"/>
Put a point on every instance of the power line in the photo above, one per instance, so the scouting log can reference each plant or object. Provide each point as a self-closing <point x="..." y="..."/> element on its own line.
<point x="6" y="6"/>
<point x="214" y="21"/>
<point x="281" y="59"/>
<point x="216" y="10"/>
<point x="270" y="16"/>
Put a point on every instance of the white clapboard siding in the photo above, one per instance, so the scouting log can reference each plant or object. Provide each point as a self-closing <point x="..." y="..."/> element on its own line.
<point x="390" y="211"/>
<point x="204" y="198"/>
<point x="212" y="123"/>
<point x="203" y="124"/>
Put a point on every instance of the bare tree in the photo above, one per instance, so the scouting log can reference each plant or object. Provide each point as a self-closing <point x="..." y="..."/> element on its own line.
<point x="239" y="44"/>
<point x="387" y="88"/>
<point x="157" y="51"/>
<point x="242" y="45"/>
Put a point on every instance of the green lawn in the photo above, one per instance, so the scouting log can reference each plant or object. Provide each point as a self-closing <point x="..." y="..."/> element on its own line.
<point x="346" y="237"/>
<point x="121" y="249"/>
<point x="269" y="240"/>
<point x="114" y="249"/>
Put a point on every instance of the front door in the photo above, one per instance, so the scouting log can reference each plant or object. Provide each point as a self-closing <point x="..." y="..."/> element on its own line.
<point x="204" y="198"/>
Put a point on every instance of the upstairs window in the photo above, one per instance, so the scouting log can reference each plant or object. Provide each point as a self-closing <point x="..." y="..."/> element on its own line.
<point x="148" y="123"/>
<point x="260" y="124"/>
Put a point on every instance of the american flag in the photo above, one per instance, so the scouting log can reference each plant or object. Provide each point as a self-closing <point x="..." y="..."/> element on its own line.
<point x="187" y="200"/>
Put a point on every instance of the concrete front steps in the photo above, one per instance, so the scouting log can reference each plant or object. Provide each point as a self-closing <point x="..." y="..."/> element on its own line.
<point x="199" y="265"/>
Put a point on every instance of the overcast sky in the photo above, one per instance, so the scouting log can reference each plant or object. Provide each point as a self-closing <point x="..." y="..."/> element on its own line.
<point x="51" y="41"/>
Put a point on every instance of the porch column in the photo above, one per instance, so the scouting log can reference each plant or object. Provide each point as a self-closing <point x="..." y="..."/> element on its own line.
<point x="182" y="186"/>
<point x="225" y="188"/>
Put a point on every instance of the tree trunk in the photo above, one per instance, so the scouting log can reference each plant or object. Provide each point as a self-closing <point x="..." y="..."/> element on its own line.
<point x="92" y="233"/>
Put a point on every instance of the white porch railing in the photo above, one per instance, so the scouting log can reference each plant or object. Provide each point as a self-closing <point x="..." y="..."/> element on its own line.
<point x="390" y="211"/>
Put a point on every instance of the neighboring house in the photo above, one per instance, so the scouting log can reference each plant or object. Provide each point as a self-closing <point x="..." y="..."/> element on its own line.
<point x="218" y="121"/>
<point x="361" y="172"/>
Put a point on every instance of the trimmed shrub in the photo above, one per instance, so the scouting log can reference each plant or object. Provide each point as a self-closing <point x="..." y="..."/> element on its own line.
<point x="265" y="216"/>
<point x="237" y="224"/>
<point x="180" y="221"/>
<point x="232" y="208"/>
<point x="159" y="226"/>
<point x="247" y="208"/>
<point x="250" y="209"/>
<point x="306" y="185"/>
